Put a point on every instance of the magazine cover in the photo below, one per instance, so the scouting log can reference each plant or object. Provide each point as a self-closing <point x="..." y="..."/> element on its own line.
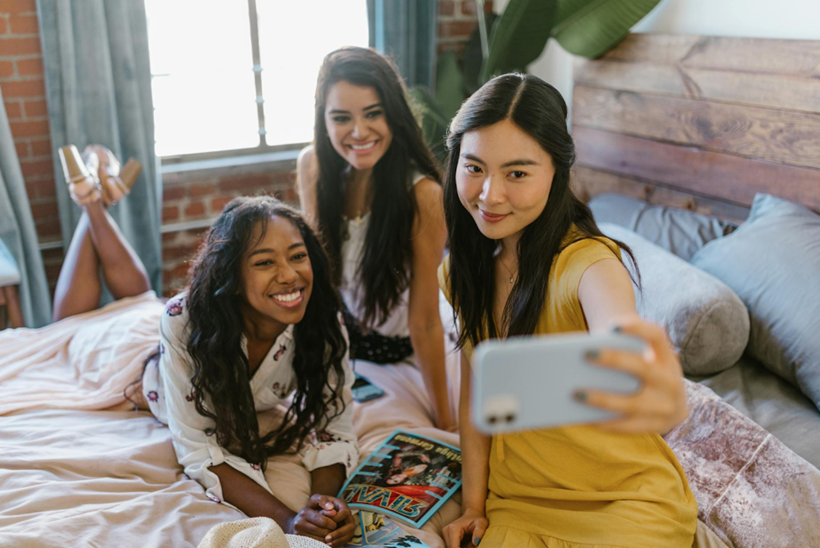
<point x="408" y="477"/>
<point x="377" y="531"/>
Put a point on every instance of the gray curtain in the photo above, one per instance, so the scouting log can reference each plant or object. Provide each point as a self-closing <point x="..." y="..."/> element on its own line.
<point x="17" y="231"/>
<point x="98" y="87"/>
<point x="406" y="30"/>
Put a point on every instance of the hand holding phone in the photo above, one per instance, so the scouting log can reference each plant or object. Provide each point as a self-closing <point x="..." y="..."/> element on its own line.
<point x="529" y="383"/>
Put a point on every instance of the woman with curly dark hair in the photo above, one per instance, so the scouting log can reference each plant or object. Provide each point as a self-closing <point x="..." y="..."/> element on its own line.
<point x="259" y="327"/>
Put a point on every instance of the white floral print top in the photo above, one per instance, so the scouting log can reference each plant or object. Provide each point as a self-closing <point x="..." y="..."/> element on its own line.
<point x="169" y="392"/>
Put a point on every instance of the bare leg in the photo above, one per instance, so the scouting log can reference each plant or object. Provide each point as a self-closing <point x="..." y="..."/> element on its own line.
<point x="79" y="286"/>
<point x="122" y="269"/>
<point x="97" y="242"/>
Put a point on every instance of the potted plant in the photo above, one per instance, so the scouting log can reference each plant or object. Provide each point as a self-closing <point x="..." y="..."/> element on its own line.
<point x="509" y="42"/>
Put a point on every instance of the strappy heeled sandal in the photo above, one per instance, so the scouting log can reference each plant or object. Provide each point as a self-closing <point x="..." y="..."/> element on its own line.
<point x="116" y="182"/>
<point x="82" y="185"/>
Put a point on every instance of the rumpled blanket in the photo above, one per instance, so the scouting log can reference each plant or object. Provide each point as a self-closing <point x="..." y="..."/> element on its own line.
<point x="81" y="362"/>
<point x="751" y="490"/>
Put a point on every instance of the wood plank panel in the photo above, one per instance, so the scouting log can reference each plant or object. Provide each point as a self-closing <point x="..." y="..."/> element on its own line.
<point x="654" y="48"/>
<point x="765" y="90"/>
<point x="665" y="79"/>
<point x="767" y="134"/>
<point x="791" y="57"/>
<point x="692" y="170"/>
<point x="768" y="91"/>
<point x="588" y="183"/>
<point x="794" y="57"/>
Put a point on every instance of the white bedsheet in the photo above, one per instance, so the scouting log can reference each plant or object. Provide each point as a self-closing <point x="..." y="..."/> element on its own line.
<point x="104" y="478"/>
<point x="97" y="479"/>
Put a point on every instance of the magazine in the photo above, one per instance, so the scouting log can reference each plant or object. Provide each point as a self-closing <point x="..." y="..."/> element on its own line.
<point x="408" y="477"/>
<point x="377" y="531"/>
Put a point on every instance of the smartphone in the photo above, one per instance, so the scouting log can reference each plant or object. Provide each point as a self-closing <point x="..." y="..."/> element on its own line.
<point x="528" y="383"/>
<point x="364" y="390"/>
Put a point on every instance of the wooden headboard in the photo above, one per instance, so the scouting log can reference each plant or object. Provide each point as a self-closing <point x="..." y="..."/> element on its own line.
<point x="701" y="123"/>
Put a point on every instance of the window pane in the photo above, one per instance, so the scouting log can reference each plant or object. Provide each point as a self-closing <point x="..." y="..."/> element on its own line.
<point x="203" y="84"/>
<point x="294" y="38"/>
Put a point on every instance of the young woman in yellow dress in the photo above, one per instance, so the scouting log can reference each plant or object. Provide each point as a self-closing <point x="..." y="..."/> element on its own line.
<point x="526" y="258"/>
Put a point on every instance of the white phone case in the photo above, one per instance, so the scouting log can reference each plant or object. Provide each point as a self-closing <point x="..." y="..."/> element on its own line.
<point x="528" y="383"/>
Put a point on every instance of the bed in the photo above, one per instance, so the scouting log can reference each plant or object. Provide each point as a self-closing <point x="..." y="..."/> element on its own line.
<point x="690" y="122"/>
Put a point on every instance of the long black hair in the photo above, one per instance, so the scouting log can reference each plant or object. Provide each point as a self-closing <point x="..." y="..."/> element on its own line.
<point x="387" y="251"/>
<point x="539" y="110"/>
<point x="220" y="373"/>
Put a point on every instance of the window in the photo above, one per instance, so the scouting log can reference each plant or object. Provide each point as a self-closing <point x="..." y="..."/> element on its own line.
<point x="241" y="76"/>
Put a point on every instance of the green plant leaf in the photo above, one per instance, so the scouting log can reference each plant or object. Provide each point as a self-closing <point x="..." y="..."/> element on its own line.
<point x="520" y="36"/>
<point x="590" y="28"/>
<point x="432" y="119"/>
<point x="472" y="58"/>
<point x="449" y="83"/>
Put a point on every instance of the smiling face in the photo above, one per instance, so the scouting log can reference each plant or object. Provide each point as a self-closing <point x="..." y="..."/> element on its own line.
<point x="357" y="124"/>
<point x="277" y="277"/>
<point x="503" y="179"/>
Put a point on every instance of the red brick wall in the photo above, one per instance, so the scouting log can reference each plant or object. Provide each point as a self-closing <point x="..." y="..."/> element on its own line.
<point x="192" y="196"/>
<point x="456" y="21"/>
<point x="186" y="197"/>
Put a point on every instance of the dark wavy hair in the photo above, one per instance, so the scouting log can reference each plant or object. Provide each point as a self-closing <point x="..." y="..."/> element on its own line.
<point x="220" y="368"/>
<point x="387" y="251"/>
<point x="538" y="109"/>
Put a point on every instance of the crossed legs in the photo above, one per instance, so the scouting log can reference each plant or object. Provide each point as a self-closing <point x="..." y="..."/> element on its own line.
<point x="97" y="247"/>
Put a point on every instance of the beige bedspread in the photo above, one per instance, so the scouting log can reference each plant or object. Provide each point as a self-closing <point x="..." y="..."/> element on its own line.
<point x="97" y="479"/>
<point x="103" y="478"/>
<point x="81" y="362"/>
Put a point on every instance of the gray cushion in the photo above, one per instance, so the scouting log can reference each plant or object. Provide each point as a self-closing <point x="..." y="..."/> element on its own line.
<point x="773" y="263"/>
<point x="677" y="230"/>
<point x="706" y="321"/>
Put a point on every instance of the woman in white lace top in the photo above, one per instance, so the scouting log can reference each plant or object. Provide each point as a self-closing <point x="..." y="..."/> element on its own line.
<point x="370" y="185"/>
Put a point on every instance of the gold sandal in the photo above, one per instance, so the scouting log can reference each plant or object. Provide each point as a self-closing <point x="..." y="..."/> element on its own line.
<point x="82" y="185"/>
<point x="116" y="182"/>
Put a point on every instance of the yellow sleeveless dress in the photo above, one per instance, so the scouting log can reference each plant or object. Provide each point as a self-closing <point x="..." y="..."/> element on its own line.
<point x="579" y="486"/>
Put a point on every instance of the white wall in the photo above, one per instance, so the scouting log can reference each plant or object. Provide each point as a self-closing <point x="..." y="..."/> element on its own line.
<point x="798" y="19"/>
<point x="753" y="18"/>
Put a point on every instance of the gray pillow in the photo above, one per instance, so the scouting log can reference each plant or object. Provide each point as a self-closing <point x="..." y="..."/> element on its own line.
<point x="706" y="321"/>
<point x="677" y="230"/>
<point x="773" y="263"/>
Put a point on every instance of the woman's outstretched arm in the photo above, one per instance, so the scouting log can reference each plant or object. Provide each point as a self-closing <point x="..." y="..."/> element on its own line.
<point x="608" y="301"/>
